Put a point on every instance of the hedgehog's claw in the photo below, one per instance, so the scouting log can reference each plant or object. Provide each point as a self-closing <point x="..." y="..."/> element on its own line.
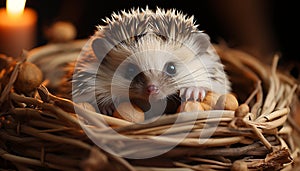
<point x="202" y="93"/>
<point x="192" y="93"/>
<point x="195" y="94"/>
<point x="181" y="92"/>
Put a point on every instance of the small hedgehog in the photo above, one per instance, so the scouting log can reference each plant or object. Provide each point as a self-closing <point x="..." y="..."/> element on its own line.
<point x="152" y="58"/>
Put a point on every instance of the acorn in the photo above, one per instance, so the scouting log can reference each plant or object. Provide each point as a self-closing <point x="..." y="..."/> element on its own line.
<point x="29" y="78"/>
<point x="206" y="106"/>
<point x="61" y="31"/>
<point x="227" y="102"/>
<point x="211" y="99"/>
<point x="242" y="110"/>
<point x="239" y="166"/>
<point x="190" y="106"/>
<point x="129" y="112"/>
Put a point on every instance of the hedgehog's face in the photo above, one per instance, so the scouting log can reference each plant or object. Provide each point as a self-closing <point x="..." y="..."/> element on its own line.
<point x="144" y="80"/>
<point x="150" y="66"/>
<point x="153" y="83"/>
<point x="150" y="69"/>
<point x="152" y="73"/>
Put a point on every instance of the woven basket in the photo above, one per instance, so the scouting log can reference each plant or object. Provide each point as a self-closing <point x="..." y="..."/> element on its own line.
<point x="41" y="131"/>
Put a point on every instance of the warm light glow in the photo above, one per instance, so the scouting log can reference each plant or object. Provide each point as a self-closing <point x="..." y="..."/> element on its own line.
<point x="15" y="8"/>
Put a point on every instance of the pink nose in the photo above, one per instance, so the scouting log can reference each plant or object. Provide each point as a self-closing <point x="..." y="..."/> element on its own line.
<point x="152" y="89"/>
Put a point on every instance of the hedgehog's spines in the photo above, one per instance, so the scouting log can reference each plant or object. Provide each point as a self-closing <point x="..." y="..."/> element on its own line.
<point x="172" y="24"/>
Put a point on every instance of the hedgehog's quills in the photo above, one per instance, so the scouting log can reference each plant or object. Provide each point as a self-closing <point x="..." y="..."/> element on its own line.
<point x="151" y="58"/>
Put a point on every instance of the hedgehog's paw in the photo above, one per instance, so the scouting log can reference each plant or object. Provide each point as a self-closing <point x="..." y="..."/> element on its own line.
<point x="107" y="109"/>
<point x="192" y="93"/>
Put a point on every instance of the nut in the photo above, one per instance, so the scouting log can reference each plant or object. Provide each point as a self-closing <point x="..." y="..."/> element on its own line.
<point x="239" y="166"/>
<point x="190" y="106"/>
<point x="206" y="106"/>
<point x="211" y="99"/>
<point x="129" y="112"/>
<point x="242" y="110"/>
<point x="227" y="102"/>
<point x="61" y="31"/>
<point x="29" y="77"/>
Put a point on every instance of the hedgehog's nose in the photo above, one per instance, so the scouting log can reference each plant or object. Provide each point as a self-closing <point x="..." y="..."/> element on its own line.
<point x="152" y="89"/>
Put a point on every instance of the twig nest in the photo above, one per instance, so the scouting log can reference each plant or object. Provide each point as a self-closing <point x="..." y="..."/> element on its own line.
<point x="129" y="112"/>
<point x="96" y="161"/>
<point x="190" y="106"/>
<point x="61" y="31"/>
<point x="227" y="102"/>
<point x="29" y="78"/>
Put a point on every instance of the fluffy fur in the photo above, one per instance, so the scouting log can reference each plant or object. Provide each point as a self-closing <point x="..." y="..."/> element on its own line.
<point x="148" y="40"/>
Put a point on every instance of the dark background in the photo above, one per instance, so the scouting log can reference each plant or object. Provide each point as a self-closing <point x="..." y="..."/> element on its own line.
<point x="260" y="27"/>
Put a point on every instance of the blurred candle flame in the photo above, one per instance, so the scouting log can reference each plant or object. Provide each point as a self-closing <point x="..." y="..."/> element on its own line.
<point x="15" y="8"/>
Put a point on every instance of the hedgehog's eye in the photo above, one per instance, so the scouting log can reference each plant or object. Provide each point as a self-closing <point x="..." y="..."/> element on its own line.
<point x="170" y="68"/>
<point x="131" y="71"/>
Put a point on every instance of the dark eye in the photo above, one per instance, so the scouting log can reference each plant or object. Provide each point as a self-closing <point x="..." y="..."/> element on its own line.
<point x="131" y="71"/>
<point x="170" y="68"/>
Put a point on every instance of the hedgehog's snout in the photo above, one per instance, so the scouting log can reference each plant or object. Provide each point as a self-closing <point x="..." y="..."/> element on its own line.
<point x="148" y="82"/>
<point x="152" y="89"/>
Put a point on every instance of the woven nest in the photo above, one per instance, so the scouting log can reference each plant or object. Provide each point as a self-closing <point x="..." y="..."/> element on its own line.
<point x="41" y="130"/>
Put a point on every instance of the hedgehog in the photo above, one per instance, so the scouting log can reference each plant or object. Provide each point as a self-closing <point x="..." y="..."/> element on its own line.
<point x="153" y="58"/>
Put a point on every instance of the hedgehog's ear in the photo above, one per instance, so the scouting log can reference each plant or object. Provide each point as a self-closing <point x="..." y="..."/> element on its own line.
<point x="101" y="47"/>
<point x="202" y="41"/>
